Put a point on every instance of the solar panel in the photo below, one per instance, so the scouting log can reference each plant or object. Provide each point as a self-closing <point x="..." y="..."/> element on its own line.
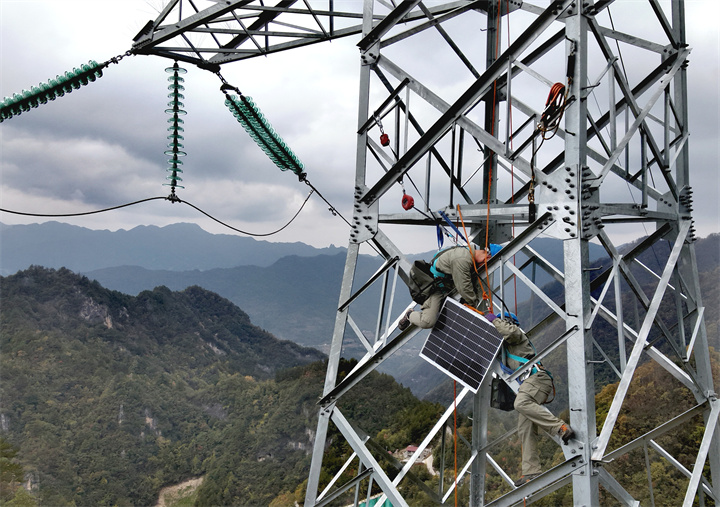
<point x="463" y="344"/>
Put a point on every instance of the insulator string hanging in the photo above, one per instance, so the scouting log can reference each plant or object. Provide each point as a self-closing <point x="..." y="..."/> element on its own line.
<point x="54" y="88"/>
<point x="175" y="110"/>
<point x="256" y="125"/>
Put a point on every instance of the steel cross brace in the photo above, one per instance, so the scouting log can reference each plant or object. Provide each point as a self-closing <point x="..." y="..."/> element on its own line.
<point x="544" y="484"/>
<point x="468" y="98"/>
<point x="639" y="346"/>
<point x="190" y="22"/>
<point x="710" y="428"/>
<point x="679" y="60"/>
<point x="658" y="356"/>
<point x="428" y="438"/>
<point x="438" y="103"/>
<point x="342" y="489"/>
<point x="680" y="467"/>
<point x="367" y="458"/>
<point x="616" y="489"/>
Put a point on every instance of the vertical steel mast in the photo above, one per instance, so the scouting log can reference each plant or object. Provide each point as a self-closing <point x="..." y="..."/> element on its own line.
<point x="460" y="88"/>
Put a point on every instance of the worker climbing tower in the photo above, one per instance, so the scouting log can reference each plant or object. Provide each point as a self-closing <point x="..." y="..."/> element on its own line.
<point x="518" y="121"/>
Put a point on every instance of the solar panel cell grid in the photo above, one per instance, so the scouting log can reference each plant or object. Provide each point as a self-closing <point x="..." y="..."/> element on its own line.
<point x="462" y="344"/>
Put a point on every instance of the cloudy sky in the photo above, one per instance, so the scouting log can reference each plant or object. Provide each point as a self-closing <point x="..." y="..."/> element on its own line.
<point x="103" y="144"/>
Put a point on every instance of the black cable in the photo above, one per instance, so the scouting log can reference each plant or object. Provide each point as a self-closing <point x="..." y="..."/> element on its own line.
<point x="173" y="199"/>
<point x="79" y="214"/>
<point x="332" y="208"/>
<point x="250" y="233"/>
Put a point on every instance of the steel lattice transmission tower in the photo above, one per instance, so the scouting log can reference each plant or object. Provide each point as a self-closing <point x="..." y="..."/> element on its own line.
<point x="460" y="88"/>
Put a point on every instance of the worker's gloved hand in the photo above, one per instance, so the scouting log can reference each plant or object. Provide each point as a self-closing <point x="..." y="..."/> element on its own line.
<point x="490" y="316"/>
<point x="463" y="302"/>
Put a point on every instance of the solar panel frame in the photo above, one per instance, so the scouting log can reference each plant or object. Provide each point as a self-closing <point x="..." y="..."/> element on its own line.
<point x="462" y="344"/>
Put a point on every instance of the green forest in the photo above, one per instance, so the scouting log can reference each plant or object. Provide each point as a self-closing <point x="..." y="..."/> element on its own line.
<point x="108" y="398"/>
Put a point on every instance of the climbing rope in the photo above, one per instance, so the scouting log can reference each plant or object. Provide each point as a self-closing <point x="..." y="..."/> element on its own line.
<point x="512" y="163"/>
<point x="490" y="292"/>
<point x="549" y="123"/>
<point x="492" y="133"/>
<point x="455" y="438"/>
<point x="547" y="127"/>
<point x="485" y="295"/>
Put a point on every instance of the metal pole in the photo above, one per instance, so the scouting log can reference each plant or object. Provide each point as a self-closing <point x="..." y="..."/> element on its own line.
<point x="580" y="377"/>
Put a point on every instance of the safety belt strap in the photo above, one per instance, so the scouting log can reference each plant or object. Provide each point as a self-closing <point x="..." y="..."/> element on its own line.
<point x="433" y="269"/>
<point x="454" y="227"/>
<point x="522" y="360"/>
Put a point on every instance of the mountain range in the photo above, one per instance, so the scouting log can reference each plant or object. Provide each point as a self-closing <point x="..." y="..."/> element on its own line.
<point x="292" y="280"/>
<point x="174" y="247"/>
<point x="291" y="290"/>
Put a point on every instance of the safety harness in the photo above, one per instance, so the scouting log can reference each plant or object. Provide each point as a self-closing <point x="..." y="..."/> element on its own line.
<point x="523" y="361"/>
<point x="536" y="367"/>
<point x="439" y="275"/>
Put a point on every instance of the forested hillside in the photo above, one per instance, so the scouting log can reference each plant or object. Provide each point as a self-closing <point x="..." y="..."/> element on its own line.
<point x="104" y="394"/>
<point x="107" y="397"/>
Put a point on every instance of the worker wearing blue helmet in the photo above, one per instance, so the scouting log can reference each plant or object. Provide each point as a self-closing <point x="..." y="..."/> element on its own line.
<point x="453" y="268"/>
<point x="531" y="397"/>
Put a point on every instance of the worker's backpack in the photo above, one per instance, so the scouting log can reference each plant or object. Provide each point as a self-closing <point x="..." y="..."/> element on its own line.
<point x="421" y="281"/>
<point x="502" y="395"/>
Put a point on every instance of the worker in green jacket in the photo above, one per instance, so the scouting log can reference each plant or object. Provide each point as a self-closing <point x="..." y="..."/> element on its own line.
<point x="531" y="396"/>
<point x="453" y="268"/>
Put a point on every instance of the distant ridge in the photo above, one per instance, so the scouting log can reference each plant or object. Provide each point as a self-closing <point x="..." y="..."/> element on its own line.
<point x="295" y="298"/>
<point x="177" y="247"/>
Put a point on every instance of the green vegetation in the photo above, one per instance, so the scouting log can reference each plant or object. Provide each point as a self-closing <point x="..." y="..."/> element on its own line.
<point x="11" y="478"/>
<point x="107" y="398"/>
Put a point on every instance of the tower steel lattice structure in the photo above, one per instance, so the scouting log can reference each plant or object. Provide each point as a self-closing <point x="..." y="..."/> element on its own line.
<point x="460" y="87"/>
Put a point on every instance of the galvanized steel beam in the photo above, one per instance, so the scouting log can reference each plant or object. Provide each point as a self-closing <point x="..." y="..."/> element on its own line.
<point x="566" y="180"/>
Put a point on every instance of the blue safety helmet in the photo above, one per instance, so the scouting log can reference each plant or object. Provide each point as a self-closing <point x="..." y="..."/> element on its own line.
<point x="493" y="249"/>
<point x="512" y="316"/>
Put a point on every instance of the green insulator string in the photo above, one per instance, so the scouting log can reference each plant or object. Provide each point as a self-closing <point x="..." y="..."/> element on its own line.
<point x="175" y="110"/>
<point x="256" y="125"/>
<point x="72" y="80"/>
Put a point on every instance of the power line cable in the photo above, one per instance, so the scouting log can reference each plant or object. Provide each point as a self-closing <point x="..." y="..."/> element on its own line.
<point x="246" y="232"/>
<point x="173" y="199"/>
<point x="57" y="215"/>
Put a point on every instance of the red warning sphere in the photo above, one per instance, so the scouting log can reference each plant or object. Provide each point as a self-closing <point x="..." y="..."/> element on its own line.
<point x="385" y="140"/>
<point x="407" y="202"/>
